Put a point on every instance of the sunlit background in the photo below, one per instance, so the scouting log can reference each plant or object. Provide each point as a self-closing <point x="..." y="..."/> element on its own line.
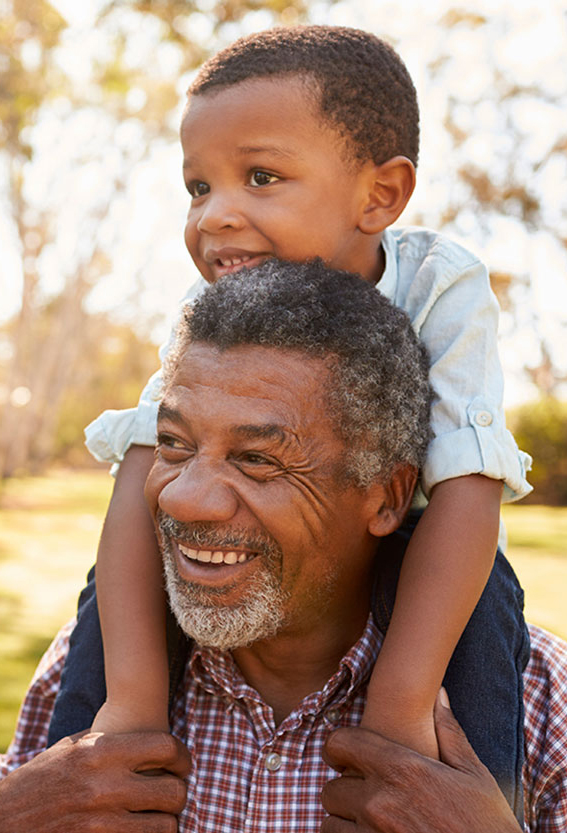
<point x="92" y="265"/>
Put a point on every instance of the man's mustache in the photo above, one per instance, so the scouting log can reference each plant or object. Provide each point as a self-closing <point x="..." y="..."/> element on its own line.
<point x="211" y="536"/>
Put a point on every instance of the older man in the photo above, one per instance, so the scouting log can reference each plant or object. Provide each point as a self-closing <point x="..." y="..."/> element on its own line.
<point x="293" y="423"/>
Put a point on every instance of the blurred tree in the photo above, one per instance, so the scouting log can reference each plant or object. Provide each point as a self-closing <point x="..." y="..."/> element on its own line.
<point x="119" y="362"/>
<point x="38" y="371"/>
<point x="119" y="104"/>
<point x="541" y="429"/>
<point x="107" y="371"/>
<point x="29" y="32"/>
<point x="506" y="138"/>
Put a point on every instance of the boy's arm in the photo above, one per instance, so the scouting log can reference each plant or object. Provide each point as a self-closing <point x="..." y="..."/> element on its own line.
<point x="444" y="571"/>
<point x="131" y="603"/>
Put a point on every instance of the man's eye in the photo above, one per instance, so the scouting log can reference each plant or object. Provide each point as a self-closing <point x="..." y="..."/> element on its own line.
<point x="169" y="442"/>
<point x="255" y="459"/>
<point x="197" y="188"/>
<point x="259" y="178"/>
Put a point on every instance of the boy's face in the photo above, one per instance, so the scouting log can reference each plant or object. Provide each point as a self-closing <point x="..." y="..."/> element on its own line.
<point x="268" y="178"/>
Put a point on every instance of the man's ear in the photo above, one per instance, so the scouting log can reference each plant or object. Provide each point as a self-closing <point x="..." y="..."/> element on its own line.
<point x="390" y="502"/>
<point x="389" y="187"/>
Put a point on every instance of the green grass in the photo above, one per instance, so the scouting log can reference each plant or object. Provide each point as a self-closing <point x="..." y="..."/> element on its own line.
<point x="49" y="529"/>
<point x="537" y="549"/>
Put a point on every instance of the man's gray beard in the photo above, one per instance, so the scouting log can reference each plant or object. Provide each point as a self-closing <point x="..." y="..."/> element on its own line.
<point x="259" y="615"/>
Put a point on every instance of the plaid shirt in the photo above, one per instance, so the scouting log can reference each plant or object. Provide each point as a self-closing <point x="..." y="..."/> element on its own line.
<point x="249" y="774"/>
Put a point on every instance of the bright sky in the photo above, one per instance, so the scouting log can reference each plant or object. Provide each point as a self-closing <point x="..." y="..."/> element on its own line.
<point x="78" y="156"/>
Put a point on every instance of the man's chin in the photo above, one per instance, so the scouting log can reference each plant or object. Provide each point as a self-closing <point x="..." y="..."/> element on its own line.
<point x="259" y="616"/>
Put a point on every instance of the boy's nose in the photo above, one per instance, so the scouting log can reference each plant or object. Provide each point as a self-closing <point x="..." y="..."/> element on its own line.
<point x="219" y="212"/>
<point x="199" y="493"/>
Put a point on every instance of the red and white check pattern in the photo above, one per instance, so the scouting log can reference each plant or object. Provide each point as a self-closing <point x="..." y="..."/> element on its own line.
<point x="249" y="775"/>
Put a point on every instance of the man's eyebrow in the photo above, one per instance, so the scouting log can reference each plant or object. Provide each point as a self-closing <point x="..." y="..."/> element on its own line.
<point x="172" y="414"/>
<point x="268" y="431"/>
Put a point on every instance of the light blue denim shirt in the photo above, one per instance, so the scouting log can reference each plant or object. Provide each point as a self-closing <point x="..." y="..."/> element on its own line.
<point x="446" y="292"/>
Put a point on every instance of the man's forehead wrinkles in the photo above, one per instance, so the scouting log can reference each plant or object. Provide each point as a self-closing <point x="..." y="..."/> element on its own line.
<point x="174" y="409"/>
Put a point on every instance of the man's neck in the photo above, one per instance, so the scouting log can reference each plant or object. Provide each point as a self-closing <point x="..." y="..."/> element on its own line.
<point x="289" y="667"/>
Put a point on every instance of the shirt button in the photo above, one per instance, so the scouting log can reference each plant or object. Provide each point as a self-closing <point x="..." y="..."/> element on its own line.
<point x="483" y="418"/>
<point x="333" y="715"/>
<point x="273" y="762"/>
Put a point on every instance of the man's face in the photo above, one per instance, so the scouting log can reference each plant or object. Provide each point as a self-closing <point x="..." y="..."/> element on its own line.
<point x="268" y="178"/>
<point x="260" y="534"/>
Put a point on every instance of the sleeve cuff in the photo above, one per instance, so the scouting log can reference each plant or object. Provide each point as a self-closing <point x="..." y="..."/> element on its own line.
<point x="110" y="436"/>
<point x="484" y="446"/>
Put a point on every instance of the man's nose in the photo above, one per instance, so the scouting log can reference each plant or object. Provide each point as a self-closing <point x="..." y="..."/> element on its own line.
<point x="200" y="492"/>
<point x="219" y="212"/>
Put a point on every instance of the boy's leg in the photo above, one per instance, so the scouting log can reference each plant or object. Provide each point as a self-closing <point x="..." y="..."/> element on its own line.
<point x="484" y="677"/>
<point x="83" y="689"/>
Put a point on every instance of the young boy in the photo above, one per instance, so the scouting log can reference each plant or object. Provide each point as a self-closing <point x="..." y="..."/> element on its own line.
<point x="298" y="143"/>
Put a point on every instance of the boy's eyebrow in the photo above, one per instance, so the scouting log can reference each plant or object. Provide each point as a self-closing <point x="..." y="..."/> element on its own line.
<point x="248" y="150"/>
<point x="277" y="150"/>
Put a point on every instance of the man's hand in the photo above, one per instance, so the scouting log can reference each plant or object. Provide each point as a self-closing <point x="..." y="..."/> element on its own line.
<point x="93" y="782"/>
<point x="396" y="790"/>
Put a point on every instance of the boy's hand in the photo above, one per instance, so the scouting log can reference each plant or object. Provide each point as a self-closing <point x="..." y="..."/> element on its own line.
<point x="95" y="782"/>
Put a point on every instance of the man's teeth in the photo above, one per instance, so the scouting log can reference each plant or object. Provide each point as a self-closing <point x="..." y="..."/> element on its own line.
<point x="234" y="261"/>
<point x="214" y="556"/>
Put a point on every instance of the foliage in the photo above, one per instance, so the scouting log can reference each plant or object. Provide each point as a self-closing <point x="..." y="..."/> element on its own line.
<point x="54" y="330"/>
<point x="121" y="107"/>
<point x="106" y="371"/>
<point x="540" y="429"/>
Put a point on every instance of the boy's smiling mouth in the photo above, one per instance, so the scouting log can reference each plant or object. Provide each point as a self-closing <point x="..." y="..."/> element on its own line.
<point x="225" y="261"/>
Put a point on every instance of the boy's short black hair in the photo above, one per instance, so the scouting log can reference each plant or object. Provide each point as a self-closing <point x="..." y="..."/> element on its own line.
<point x="366" y="92"/>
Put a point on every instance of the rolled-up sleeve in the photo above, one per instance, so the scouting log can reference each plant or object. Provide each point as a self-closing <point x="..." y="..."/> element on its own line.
<point x="456" y="316"/>
<point x="111" y="434"/>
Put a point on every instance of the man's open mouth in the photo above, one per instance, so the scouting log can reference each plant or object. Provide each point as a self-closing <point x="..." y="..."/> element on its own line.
<point x="216" y="556"/>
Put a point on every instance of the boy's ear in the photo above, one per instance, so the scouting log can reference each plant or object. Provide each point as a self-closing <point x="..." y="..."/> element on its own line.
<point x="390" y="502"/>
<point x="389" y="187"/>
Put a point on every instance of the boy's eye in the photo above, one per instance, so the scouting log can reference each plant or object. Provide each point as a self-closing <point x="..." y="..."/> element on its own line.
<point x="198" y="188"/>
<point x="262" y="178"/>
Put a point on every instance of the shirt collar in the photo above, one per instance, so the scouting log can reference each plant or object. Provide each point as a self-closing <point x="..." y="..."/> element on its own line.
<point x="217" y="672"/>
<point x="388" y="282"/>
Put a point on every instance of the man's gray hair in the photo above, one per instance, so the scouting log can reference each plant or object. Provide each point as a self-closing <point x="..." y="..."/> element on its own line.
<point x="378" y="390"/>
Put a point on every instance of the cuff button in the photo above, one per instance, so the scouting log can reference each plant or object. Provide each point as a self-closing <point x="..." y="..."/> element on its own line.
<point x="483" y="418"/>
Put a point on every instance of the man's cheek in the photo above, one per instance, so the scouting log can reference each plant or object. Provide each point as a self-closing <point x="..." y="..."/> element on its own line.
<point x="158" y="478"/>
